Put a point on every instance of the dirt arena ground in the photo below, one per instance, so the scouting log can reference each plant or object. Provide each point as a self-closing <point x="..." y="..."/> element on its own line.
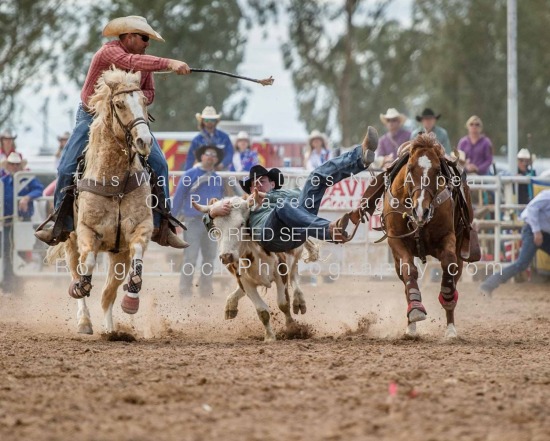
<point x="191" y="375"/>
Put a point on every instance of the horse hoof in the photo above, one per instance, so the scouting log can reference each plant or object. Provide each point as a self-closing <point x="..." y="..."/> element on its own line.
<point x="231" y="313"/>
<point x="411" y="330"/>
<point x="75" y="291"/>
<point x="416" y="316"/>
<point x="85" y="329"/>
<point x="270" y="338"/>
<point x="303" y="308"/>
<point x="296" y="308"/>
<point x="450" y="332"/>
<point x="130" y="305"/>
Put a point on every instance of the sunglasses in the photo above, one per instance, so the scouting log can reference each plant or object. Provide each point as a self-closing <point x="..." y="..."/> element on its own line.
<point x="145" y="38"/>
<point x="210" y="154"/>
<point x="209" y="120"/>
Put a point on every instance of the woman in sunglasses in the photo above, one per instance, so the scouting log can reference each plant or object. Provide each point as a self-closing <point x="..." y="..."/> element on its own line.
<point x="477" y="147"/>
<point x="127" y="53"/>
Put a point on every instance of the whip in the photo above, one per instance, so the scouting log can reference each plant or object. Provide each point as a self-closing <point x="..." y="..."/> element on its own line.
<point x="264" y="82"/>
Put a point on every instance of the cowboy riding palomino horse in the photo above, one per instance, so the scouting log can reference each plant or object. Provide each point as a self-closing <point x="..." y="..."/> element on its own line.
<point x="426" y="211"/>
<point x="112" y="212"/>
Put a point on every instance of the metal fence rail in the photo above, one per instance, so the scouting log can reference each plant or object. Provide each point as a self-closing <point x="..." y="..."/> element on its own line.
<point x="359" y="257"/>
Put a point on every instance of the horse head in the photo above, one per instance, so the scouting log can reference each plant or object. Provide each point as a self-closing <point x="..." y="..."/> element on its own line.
<point x="121" y="104"/>
<point x="423" y="175"/>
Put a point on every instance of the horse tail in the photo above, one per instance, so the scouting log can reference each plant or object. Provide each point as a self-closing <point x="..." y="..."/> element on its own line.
<point x="55" y="253"/>
<point x="312" y="252"/>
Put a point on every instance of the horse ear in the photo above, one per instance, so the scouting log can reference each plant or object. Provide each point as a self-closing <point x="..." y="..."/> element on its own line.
<point x="440" y="150"/>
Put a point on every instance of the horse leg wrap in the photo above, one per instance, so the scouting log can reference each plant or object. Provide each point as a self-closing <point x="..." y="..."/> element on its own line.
<point x="82" y="288"/>
<point x="448" y="301"/>
<point x="415" y="300"/>
<point x="134" y="279"/>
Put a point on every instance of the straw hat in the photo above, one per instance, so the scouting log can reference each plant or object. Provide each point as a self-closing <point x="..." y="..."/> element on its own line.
<point x="242" y="135"/>
<point x="392" y="114"/>
<point x="14" y="158"/>
<point x="132" y="24"/>
<point x="526" y="154"/>
<point x="7" y="134"/>
<point x="208" y="113"/>
<point x="316" y="134"/>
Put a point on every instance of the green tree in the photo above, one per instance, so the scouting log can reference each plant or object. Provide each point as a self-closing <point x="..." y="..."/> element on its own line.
<point x="31" y="33"/>
<point x="461" y="67"/>
<point x="203" y="34"/>
<point x="348" y="61"/>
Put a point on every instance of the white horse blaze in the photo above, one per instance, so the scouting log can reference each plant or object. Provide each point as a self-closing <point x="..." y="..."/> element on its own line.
<point x="136" y="109"/>
<point x="426" y="165"/>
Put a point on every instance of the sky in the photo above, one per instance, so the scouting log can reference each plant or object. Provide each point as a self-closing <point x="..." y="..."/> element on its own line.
<point x="272" y="106"/>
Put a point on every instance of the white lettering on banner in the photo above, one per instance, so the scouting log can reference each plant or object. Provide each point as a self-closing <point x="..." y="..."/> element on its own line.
<point x="345" y="194"/>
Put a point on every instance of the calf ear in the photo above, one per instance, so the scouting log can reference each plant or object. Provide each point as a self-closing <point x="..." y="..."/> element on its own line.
<point x="245" y="196"/>
<point x="213" y="201"/>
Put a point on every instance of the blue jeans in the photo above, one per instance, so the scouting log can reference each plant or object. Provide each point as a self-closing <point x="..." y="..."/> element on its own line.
<point x="74" y="148"/>
<point x="199" y="240"/>
<point x="291" y="223"/>
<point x="526" y="253"/>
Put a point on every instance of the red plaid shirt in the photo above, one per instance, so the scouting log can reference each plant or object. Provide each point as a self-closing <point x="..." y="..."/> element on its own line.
<point x="115" y="53"/>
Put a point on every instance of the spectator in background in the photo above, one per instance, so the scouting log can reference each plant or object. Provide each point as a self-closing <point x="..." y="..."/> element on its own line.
<point x="7" y="145"/>
<point x="477" y="146"/>
<point x="244" y="157"/>
<point x="525" y="168"/>
<point x="318" y="152"/>
<point x="393" y="138"/>
<point x="199" y="184"/>
<point x="428" y="120"/>
<point x="210" y="135"/>
<point x="31" y="188"/>
<point x="534" y="234"/>
<point x="62" y="139"/>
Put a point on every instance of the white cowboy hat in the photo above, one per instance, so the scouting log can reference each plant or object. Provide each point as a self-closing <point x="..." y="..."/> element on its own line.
<point x="392" y="114"/>
<point x="209" y="113"/>
<point x="242" y="135"/>
<point x="14" y="158"/>
<point x="132" y="24"/>
<point x="524" y="154"/>
<point x="7" y="134"/>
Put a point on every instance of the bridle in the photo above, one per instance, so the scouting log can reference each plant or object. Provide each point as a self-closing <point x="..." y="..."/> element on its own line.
<point x="127" y="127"/>
<point x="415" y="226"/>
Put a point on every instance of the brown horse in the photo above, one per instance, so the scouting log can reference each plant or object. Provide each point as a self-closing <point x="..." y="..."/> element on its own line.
<point x="424" y="215"/>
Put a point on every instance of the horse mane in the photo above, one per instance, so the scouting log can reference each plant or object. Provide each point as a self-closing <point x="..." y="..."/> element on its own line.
<point x="427" y="141"/>
<point x="100" y="103"/>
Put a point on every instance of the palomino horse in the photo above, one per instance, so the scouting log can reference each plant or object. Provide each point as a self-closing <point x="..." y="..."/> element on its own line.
<point x="423" y="216"/>
<point x="112" y="212"/>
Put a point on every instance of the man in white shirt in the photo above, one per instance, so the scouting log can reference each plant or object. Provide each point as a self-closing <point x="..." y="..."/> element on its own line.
<point x="535" y="234"/>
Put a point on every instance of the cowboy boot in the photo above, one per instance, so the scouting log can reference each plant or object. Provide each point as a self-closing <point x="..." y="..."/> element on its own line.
<point x="369" y="145"/>
<point x="167" y="238"/>
<point x="337" y="229"/>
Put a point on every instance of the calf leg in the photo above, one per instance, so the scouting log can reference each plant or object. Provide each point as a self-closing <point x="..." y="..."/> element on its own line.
<point x="283" y="299"/>
<point x="261" y="308"/>
<point x="232" y="303"/>
<point x="299" y="301"/>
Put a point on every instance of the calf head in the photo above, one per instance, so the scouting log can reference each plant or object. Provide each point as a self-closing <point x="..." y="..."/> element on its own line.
<point x="231" y="230"/>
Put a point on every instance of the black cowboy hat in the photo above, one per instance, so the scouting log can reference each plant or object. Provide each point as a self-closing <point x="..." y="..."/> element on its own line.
<point x="200" y="151"/>
<point x="427" y="113"/>
<point x="257" y="172"/>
